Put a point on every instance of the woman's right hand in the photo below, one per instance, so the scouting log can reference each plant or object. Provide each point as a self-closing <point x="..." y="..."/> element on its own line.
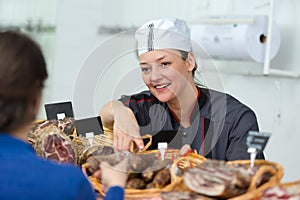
<point x="126" y="129"/>
<point x="116" y="116"/>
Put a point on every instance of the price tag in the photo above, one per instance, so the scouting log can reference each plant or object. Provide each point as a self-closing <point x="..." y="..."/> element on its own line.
<point x="59" y="110"/>
<point x="257" y="140"/>
<point x="90" y="137"/>
<point x="61" y="116"/>
<point x="162" y="146"/>
<point x="87" y="125"/>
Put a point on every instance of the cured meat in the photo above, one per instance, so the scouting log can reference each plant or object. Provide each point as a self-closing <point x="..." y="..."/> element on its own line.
<point x="183" y="195"/>
<point x="93" y="162"/>
<point x="162" y="178"/>
<point x="94" y="151"/>
<point x="145" y="170"/>
<point x="147" y="176"/>
<point x="93" y="165"/>
<point x="54" y="145"/>
<point x="135" y="183"/>
<point x="138" y="163"/>
<point x="291" y="192"/>
<point x="216" y="178"/>
<point x="152" y="170"/>
<point x="66" y="125"/>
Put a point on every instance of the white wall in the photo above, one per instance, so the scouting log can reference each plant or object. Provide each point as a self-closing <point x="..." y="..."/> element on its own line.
<point x="34" y="14"/>
<point x="276" y="100"/>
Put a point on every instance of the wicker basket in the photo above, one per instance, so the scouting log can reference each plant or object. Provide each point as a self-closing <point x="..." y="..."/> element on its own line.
<point x="81" y="144"/>
<point x="93" y="180"/>
<point x="129" y="193"/>
<point x="132" y="148"/>
<point x="142" y="194"/>
<point x="171" y="154"/>
<point x="186" y="161"/>
<point x="269" y="166"/>
<point x="190" y="159"/>
<point x="181" y="163"/>
<point x="39" y="121"/>
<point x="258" y="193"/>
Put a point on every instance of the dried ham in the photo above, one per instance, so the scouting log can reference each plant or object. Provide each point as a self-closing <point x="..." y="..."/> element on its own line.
<point x="54" y="145"/>
<point x="66" y="126"/>
<point x="162" y="178"/>
<point x="145" y="170"/>
<point x="135" y="183"/>
<point x="284" y="193"/>
<point x="183" y="195"/>
<point x="216" y="178"/>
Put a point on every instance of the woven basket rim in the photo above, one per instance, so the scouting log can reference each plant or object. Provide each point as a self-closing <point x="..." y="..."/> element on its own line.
<point x="138" y="193"/>
<point x="190" y="160"/>
<point x="256" y="192"/>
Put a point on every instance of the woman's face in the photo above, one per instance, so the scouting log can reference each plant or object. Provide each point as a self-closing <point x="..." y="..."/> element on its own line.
<point x="165" y="73"/>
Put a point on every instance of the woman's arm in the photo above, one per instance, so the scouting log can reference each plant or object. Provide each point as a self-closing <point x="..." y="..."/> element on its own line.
<point x="121" y="120"/>
<point x="237" y="149"/>
<point x="106" y="113"/>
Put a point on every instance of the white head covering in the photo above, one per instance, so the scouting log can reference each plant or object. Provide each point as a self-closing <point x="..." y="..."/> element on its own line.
<point x="169" y="33"/>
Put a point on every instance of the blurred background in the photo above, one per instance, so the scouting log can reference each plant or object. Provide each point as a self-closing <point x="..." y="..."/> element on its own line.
<point x="89" y="65"/>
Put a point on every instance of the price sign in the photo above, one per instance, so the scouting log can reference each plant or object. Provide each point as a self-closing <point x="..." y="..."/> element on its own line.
<point x="257" y="140"/>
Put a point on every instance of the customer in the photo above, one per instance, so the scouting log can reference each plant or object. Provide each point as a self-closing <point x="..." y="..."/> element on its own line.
<point x="213" y="123"/>
<point x="23" y="175"/>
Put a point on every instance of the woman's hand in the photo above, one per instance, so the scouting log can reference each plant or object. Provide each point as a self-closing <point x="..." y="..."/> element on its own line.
<point x="126" y="129"/>
<point x="115" y="116"/>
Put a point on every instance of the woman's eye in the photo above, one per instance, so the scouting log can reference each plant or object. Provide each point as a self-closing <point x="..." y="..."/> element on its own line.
<point x="145" y="69"/>
<point x="165" y="64"/>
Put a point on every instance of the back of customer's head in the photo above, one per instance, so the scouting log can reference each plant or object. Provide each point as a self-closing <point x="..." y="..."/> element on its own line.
<point x="22" y="75"/>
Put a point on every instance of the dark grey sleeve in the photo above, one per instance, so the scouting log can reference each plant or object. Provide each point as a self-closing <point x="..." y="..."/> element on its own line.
<point x="237" y="149"/>
<point x="125" y="99"/>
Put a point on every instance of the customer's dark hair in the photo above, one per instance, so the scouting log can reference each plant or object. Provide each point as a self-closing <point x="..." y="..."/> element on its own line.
<point x="22" y="75"/>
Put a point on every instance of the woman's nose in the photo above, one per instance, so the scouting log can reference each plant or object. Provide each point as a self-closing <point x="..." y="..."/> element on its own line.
<point x="155" y="74"/>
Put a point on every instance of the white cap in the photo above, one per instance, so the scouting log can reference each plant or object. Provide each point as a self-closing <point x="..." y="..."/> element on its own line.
<point x="169" y="33"/>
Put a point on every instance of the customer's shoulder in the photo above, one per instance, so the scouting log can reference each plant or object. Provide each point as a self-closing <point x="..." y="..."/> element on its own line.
<point x="60" y="168"/>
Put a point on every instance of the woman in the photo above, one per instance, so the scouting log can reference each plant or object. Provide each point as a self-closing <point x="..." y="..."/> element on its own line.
<point x="23" y="175"/>
<point x="213" y="123"/>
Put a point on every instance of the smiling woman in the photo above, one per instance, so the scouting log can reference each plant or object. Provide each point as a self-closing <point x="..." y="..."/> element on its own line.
<point x="166" y="73"/>
<point x="213" y="123"/>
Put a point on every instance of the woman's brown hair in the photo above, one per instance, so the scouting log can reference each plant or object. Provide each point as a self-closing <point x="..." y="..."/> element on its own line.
<point x="22" y="75"/>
